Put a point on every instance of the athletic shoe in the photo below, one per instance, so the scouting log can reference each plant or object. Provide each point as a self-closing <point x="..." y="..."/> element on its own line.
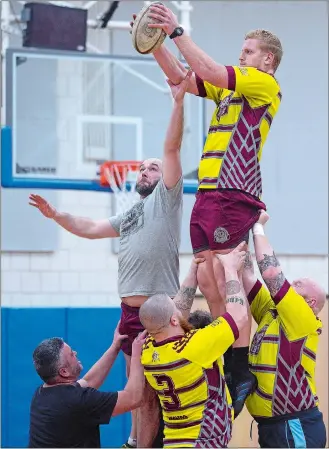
<point x="242" y="390"/>
<point x="128" y="445"/>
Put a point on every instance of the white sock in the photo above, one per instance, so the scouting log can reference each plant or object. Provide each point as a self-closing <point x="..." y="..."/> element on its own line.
<point x="132" y="442"/>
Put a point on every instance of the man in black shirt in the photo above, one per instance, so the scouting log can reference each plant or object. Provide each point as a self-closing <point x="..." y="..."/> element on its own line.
<point x="67" y="412"/>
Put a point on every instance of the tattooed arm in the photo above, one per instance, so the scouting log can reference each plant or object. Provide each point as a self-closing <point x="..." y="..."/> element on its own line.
<point x="186" y="294"/>
<point x="268" y="264"/>
<point x="248" y="274"/>
<point x="236" y="301"/>
<point x="258" y="296"/>
<point x="297" y="317"/>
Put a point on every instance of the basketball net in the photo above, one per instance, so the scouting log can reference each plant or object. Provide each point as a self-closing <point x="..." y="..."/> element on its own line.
<point x="122" y="178"/>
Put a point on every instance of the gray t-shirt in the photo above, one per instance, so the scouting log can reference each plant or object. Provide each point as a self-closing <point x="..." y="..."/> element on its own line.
<point x="149" y="243"/>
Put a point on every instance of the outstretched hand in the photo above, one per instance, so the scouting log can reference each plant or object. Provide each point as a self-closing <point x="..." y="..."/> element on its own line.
<point x="179" y="90"/>
<point x="44" y="207"/>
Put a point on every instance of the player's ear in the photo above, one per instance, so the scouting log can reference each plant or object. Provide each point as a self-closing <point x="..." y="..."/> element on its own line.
<point x="269" y="59"/>
<point x="63" y="372"/>
<point x="311" y="302"/>
<point x="174" y="320"/>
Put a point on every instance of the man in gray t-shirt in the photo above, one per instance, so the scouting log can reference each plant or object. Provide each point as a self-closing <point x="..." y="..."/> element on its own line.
<point x="149" y="229"/>
<point x="149" y="237"/>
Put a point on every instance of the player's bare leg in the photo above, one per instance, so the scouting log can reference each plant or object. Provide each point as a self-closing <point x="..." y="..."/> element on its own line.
<point x="132" y="440"/>
<point x="241" y="381"/>
<point x="208" y="285"/>
<point x="148" y="418"/>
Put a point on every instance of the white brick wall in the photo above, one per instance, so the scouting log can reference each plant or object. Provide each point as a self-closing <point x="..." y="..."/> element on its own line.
<point x="79" y="277"/>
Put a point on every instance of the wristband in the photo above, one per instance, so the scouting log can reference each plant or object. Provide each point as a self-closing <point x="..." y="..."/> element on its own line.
<point x="258" y="229"/>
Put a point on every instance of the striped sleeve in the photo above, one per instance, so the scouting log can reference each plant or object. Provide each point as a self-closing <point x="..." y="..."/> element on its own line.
<point x="207" y="90"/>
<point x="252" y="83"/>
<point x="260" y="301"/>
<point x="210" y="343"/>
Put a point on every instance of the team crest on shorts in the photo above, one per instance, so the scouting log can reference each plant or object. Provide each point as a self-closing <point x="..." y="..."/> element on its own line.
<point x="223" y="106"/>
<point x="221" y="235"/>
<point x="155" y="357"/>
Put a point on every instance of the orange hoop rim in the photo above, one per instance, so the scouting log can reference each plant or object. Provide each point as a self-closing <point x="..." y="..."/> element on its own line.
<point x="121" y="167"/>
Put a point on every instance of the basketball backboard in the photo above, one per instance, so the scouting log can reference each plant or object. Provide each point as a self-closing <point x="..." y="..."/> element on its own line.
<point x="68" y="112"/>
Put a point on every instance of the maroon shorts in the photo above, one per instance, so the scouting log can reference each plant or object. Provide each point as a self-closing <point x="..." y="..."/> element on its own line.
<point x="222" y="218"/>
<point x="129" y="325"/>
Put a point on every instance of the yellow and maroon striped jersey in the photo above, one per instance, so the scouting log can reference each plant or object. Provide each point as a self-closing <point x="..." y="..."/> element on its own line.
<point x="187" y="374"/>
<point x="238" y="129"/>
<point x="283" y="352"/>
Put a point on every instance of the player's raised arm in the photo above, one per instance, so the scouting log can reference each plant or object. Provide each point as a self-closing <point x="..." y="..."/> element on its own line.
<point x="174" y="69"/>
<point x="246" y="80"/>
<point x="132" y="395"/>
<point x="197" y="59"/>
<point x="172" y="167"/>
<point x="258" y="296"/>
<point x="186" y="294"/>
<point x="236" y="301"/>
<point x="303" y="299"/>
<point x="80" y="226"/>
<point x="97" y="374"/>
<point x="268" y="264"/>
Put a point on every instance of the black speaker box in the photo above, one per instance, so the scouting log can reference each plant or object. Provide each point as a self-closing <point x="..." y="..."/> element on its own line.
<point x="54" y="27"/>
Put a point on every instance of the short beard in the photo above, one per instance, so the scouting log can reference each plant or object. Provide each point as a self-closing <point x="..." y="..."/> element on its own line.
<point x="145" y="189"/>
<point x="185" y="325"/>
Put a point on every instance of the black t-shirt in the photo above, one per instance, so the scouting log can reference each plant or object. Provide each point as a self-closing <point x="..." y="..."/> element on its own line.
<point x="69" y="416"/>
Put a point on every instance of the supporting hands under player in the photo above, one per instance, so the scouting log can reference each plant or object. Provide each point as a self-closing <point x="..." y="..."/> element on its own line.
<point x="97" y="374"/>
<point x="268" y="264"/>
<point x="186" y="294"/>
<point x="118" y="338"/>
<point x="236" y="303"/>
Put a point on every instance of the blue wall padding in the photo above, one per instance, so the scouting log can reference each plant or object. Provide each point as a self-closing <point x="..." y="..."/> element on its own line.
<point x="88" y="331"/>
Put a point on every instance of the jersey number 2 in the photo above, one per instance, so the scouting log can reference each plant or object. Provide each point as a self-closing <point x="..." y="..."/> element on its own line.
<point x="168" y="391"/>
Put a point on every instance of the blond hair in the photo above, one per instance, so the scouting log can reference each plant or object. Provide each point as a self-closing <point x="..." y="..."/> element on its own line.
<point x="269" y="42"/>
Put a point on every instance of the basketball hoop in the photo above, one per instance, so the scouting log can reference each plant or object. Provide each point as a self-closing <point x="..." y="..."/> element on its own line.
<point x="121" y="176"/>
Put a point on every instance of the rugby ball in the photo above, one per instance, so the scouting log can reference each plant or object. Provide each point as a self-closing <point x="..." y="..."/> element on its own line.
<point x="146" y="39"/>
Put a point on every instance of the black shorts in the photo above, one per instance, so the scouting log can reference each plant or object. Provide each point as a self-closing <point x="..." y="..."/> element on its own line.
<point x="302" y="429"/>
